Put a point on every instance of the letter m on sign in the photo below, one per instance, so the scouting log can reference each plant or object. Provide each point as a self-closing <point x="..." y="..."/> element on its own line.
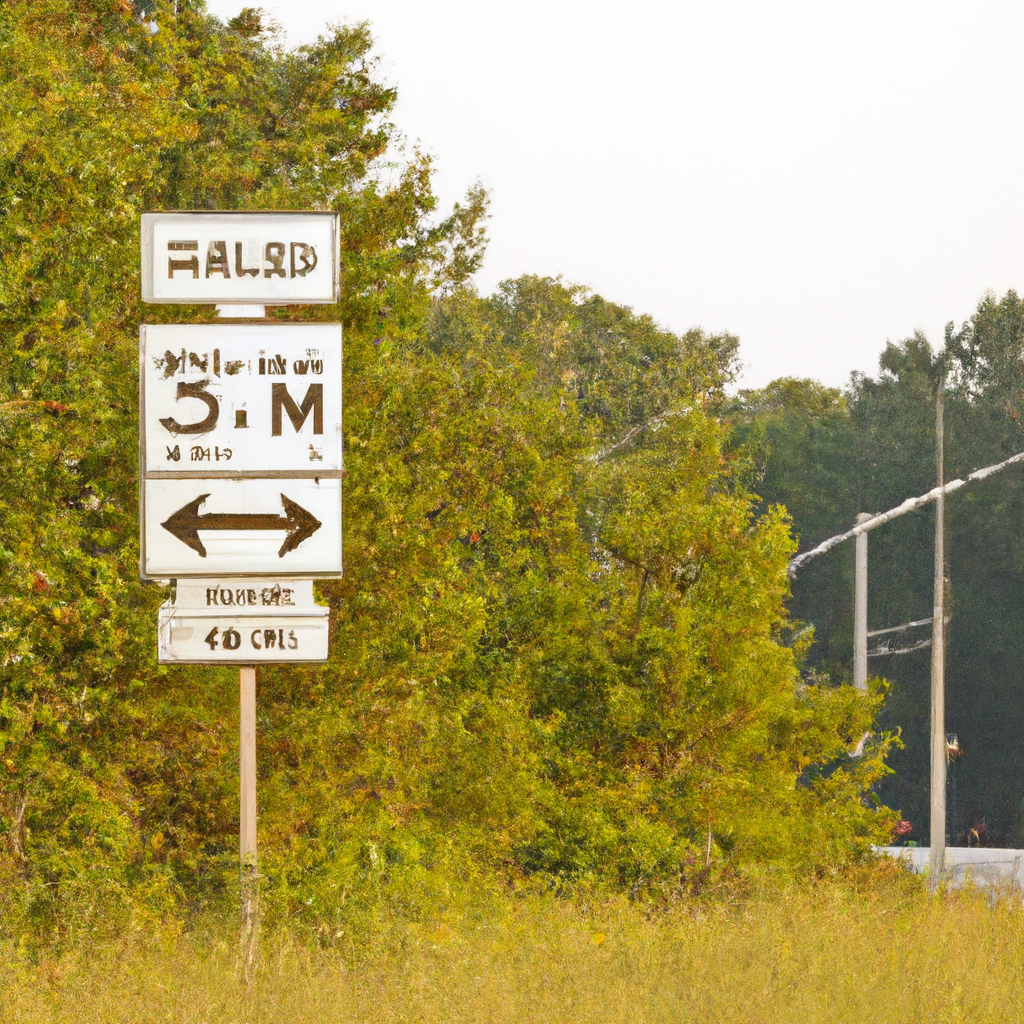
<point x="280" y="399"/>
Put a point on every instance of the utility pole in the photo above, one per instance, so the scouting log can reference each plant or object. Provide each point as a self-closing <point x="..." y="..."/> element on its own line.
<point x="937" y="855"/>
<point x="247" y="818"/>
<point x="860" y="608"/>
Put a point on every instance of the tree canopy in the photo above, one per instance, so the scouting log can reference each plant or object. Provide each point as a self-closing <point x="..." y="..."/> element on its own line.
<point x="560" y="650"/>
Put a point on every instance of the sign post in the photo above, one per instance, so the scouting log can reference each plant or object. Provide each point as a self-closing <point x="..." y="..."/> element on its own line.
<point x="241" y="460"/>
<point x="248" y="870"/>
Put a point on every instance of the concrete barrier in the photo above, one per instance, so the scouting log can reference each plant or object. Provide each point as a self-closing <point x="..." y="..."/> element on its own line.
<point x="995" y="868"/>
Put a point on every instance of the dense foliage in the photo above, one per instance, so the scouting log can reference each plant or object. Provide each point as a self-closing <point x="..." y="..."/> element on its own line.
<point x="560" y="650"/>
<point x="829" y="454"/>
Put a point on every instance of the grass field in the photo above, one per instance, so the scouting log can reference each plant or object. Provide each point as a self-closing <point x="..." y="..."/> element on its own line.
<point x="834" y="953"/>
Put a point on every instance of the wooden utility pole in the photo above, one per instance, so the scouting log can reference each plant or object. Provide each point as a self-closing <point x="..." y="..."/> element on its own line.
<point x="247" y="819"/>
<point x="937" y="855"/>
<point x="860" y="609"/>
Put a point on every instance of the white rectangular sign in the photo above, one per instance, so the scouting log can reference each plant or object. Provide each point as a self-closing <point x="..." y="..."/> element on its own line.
<point x="243" y="621"/>
<point x="237" y="398"/>
<point x="246" y="258"/>
<point x="202" y="526"/>
<point x="240" y="450"/>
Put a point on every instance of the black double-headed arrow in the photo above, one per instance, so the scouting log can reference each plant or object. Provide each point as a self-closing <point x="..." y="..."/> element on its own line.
<point x="186" y="523"/>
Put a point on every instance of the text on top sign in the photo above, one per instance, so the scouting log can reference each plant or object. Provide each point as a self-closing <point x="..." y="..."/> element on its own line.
<point x="256" y="258"/>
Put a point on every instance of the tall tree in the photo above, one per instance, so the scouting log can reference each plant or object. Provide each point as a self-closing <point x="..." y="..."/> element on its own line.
<point x="115" y="768"/>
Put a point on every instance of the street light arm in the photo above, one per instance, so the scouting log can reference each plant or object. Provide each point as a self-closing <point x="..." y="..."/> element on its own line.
<point x="907" y="506"/>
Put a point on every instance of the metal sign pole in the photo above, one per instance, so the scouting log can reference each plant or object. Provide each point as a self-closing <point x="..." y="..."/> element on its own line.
<point x="249" y="874"/>
<point x="937" y="853"/>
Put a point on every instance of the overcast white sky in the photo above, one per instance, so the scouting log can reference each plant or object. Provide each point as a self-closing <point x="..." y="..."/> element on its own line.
<point x="816" y="177"/>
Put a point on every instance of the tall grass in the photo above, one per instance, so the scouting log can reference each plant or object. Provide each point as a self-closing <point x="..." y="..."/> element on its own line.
<point x="832" y="954"/>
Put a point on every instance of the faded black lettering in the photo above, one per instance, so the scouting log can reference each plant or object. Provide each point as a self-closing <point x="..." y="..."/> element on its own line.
<point x="232" y="639"/>
<point x="304" y="252"/>
<point x="211" y="639"/>
<point x="274" y="255"/>
<point x="217" y="259"/>
<point x="192" y="263"/>
<point x="195" y="389"/>
<point x="169" y="362"/>
<point x="313" y="401"/>
<point x="241" y="271"/>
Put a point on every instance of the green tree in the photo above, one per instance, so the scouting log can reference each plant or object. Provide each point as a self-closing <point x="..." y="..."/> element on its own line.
<point x="116" y="770"/>
<point x="558" y="646"/>
<point x="827" y="455"/>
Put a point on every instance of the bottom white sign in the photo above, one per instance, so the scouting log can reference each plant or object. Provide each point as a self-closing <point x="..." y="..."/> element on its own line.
<point x="245" y="621"/>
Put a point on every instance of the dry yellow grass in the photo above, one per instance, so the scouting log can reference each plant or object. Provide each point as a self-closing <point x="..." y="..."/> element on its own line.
<point x="829" y="955"/>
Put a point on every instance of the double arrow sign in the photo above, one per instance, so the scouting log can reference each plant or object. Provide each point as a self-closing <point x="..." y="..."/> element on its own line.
<point x="186" y="523"/>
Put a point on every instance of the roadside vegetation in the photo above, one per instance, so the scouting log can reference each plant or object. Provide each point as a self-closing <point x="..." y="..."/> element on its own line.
<point x="877" y="951"/>
<point x="572" y="757"/>
<point x="560" y="651"/>
<point x="827" y="454"/>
